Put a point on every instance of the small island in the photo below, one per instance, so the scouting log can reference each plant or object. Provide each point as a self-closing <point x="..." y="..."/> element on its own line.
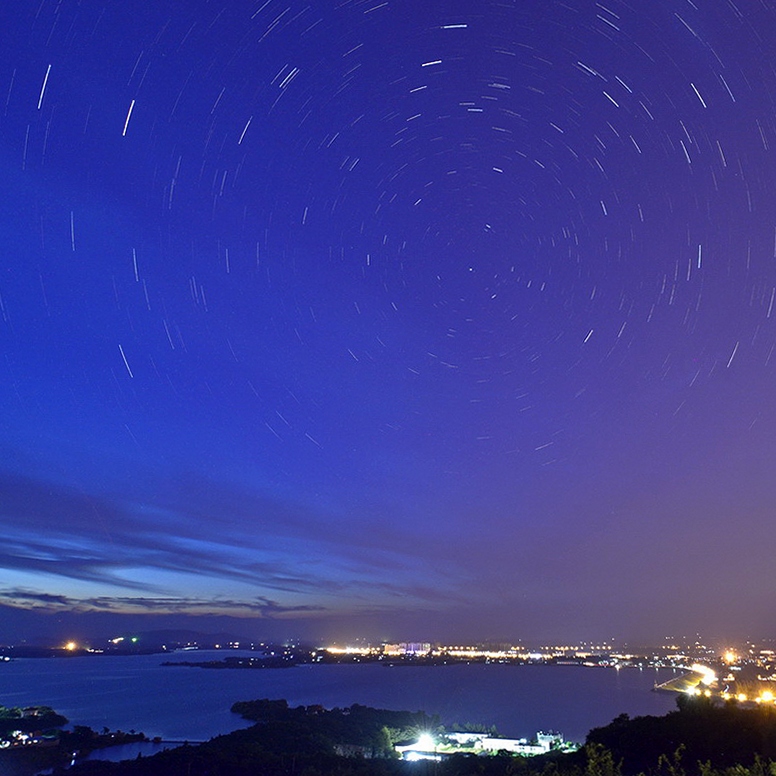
<point x="237" y="662"/>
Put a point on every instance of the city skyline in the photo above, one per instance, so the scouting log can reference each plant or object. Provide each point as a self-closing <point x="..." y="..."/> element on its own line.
<point x="449" y="322"/>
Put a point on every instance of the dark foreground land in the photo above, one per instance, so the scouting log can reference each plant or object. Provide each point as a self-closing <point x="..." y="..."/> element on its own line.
<point x="698" y="738"/>
<point x="31" y="740"/>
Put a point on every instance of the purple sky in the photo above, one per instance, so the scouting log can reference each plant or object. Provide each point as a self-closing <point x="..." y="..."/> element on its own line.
<point x="445" y="320"/>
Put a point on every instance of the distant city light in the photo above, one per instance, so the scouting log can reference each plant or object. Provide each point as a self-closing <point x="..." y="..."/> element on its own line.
<point x="708" y="676"/>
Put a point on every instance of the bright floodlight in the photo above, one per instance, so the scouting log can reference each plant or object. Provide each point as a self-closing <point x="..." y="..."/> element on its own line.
<point x="426" y="742"/>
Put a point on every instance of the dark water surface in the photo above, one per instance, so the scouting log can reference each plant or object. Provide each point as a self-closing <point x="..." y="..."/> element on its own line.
<point x="178" y="703"/>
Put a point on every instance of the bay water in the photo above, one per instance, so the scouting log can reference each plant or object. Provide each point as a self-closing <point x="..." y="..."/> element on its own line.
<point x="192" y="704"/>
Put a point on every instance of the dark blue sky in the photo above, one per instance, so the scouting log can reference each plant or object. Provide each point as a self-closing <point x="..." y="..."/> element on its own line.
<point x="447" y="320"/>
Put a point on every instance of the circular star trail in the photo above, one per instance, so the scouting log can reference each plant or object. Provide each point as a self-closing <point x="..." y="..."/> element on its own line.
<point x="384" y="318"/>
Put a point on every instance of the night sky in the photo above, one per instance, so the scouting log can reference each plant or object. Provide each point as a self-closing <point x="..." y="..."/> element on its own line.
<point x="450" y="319"/>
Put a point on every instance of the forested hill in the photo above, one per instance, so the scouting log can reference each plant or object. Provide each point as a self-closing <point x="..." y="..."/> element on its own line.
<point x="705" y="731"/>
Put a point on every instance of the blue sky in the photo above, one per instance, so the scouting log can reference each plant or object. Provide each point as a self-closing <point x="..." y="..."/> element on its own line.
<point x="450" y="322"/>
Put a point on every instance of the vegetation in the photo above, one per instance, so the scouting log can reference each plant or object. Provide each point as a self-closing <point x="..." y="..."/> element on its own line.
<point x="31" y="740"/>
<point x="699" y="731"/>
<point x="372" y="732"/>
<point x="700" y="738"/>
<point x="30" y="720"/>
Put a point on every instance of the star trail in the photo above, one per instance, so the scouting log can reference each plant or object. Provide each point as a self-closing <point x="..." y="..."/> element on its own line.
<point x="445" y="320"/>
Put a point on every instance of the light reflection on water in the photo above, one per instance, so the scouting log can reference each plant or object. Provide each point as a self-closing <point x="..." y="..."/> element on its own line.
<point x="178" y="703"/>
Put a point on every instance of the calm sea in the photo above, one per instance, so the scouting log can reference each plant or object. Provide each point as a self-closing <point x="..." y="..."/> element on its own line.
<point x="178" y="703"/>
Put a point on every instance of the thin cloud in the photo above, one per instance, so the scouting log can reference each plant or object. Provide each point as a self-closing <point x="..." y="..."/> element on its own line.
<point x="223" y="533"/>
<point x="260" y="606"/>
